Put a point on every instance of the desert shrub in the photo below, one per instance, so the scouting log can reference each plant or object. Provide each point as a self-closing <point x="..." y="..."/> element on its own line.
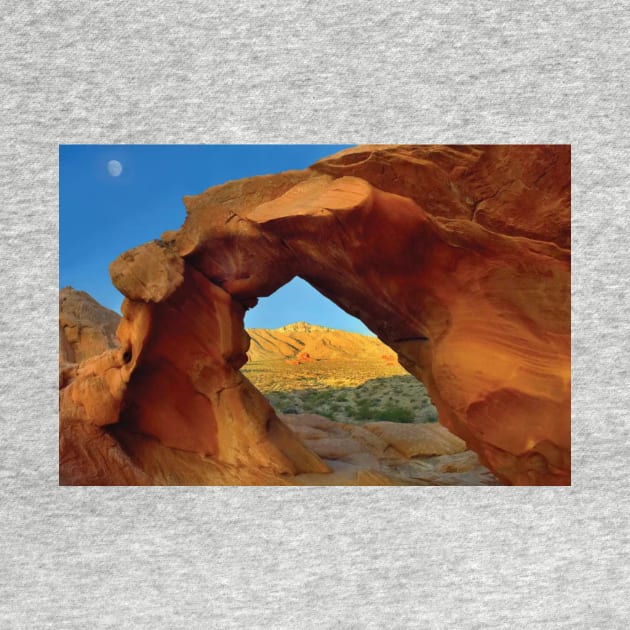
<point x="395" y="414"/>
<point x="429" y="414"/>
<point x="364" y="410"/>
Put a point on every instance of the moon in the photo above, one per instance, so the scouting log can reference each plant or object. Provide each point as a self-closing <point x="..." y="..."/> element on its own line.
<point x="114" y="168"/>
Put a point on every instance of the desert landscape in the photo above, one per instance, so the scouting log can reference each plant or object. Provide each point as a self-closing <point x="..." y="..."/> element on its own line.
<point x="457" y="258"/>
<point x="305" y="368"/>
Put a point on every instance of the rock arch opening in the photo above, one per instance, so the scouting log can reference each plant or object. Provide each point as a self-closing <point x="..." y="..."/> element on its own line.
<point x="307" y="356"/>
<point x="475" y="305"/>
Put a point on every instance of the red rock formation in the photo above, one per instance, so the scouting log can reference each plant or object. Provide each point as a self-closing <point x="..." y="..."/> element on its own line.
<point x="520" y="190"/>
<point x="85" y="327"/>
<point x="456" y="257"/>
<point x="302" y="357"/>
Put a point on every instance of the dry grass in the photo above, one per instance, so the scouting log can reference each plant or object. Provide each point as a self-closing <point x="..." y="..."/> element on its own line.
<point x="343" y="390"/>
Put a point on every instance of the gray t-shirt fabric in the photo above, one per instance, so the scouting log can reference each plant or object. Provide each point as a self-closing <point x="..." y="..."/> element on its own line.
<point x="300" y="72"/>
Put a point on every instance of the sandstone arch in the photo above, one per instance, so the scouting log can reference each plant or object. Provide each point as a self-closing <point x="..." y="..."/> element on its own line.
<point x="456" y="257"/>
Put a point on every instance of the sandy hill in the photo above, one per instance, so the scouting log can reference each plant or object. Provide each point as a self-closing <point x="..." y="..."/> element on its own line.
<point x="303" y="342"/>
<point x="303" y="356"/>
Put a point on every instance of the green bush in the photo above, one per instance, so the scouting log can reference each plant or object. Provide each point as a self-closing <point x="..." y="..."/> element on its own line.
<point x="364" y="410"/>
<point x="395" y="414"/>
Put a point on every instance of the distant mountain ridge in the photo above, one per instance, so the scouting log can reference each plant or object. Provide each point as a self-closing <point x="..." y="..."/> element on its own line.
<point x="302" y="342"/>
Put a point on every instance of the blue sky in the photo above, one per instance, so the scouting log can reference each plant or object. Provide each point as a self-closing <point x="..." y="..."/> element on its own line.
<point x="102" y="214"/>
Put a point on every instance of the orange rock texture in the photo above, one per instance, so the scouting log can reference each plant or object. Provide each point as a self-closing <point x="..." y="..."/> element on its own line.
<point x="85" y="327"/>
<point x="457" y="257"/>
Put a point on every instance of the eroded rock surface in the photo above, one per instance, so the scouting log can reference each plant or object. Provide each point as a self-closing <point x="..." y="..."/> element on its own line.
<point x="86" y="328"/>
<point x="397" y="454"/>
<point x="456" y="257"/>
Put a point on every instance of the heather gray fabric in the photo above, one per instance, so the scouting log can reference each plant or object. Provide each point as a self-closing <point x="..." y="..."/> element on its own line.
<point x="253" y="72"/>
